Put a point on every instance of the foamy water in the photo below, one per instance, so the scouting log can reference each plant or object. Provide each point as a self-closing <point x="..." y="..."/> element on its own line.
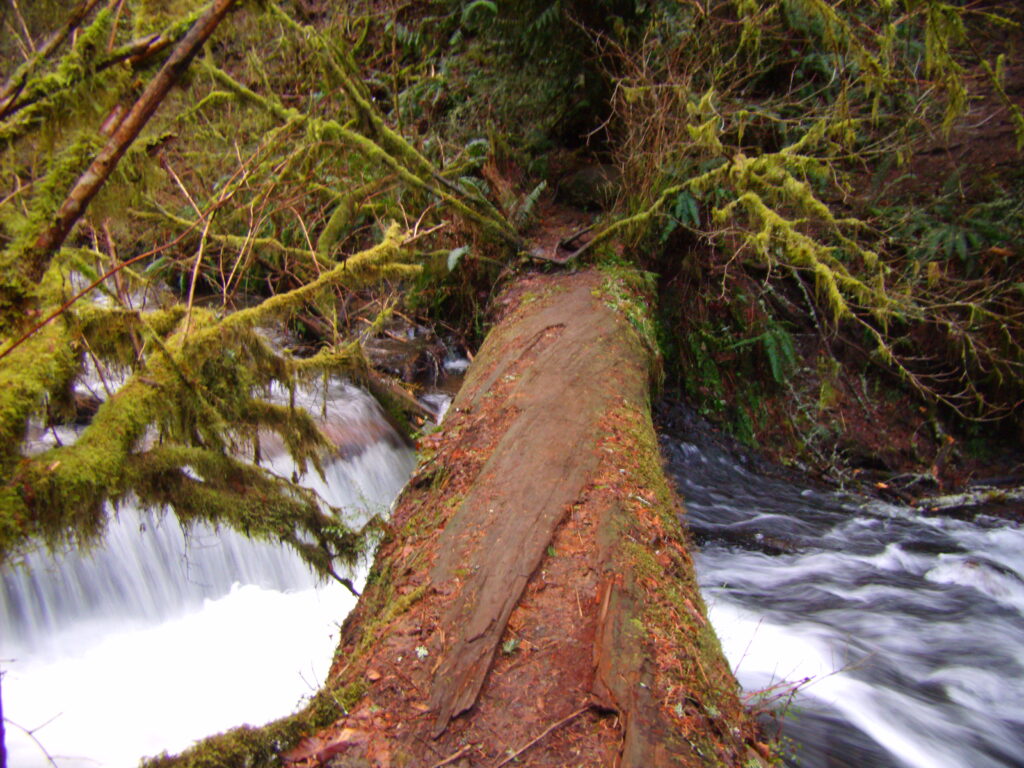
<point x="902" y="635"/>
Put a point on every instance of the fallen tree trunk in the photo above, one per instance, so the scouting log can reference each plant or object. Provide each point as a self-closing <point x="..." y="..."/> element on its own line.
<point x="535" y="598"/>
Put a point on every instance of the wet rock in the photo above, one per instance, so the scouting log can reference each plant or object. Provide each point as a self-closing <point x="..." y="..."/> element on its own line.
<point x="412" y="360"/>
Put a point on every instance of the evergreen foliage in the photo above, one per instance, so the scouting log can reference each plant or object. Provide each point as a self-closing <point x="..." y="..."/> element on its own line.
<point x="276" y="181"/>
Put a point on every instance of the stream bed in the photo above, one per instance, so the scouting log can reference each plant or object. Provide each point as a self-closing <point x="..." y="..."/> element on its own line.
<point x="895" y="638"/>
<point x="886" y="637"/>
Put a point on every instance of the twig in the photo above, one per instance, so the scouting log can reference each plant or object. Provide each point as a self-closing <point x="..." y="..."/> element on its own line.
<point x="24" y="27"/>
<point x="550" y="728"/>
<point x="32" y="735"/>
<point x="568" y="241"/>
<point x="454" y="757"/>
<point x="346" y="583"/>
<point x="538" y="254"/>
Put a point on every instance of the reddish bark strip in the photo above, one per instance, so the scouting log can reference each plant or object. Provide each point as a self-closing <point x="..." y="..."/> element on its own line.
<point x="518" y="501"/>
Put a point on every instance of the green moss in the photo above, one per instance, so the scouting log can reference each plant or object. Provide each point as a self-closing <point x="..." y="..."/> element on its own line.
<point x="630" y="292"/>
<point x="199" y="381"/>
<point x="670" y="608"/>
<point x="394" y="607"/>
<point x="259" y="747"/>
<point x="72" y="92"/>
<point x="21" y="266"/>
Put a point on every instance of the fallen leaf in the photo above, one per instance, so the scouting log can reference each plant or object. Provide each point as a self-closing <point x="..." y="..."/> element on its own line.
<point x="321" y="748"/>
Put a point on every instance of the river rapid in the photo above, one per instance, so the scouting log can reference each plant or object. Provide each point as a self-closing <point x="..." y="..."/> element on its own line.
<point x="895" y="638"/>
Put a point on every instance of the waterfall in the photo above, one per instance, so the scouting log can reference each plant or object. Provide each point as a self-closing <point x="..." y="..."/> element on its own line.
<point x="158" y="637"/>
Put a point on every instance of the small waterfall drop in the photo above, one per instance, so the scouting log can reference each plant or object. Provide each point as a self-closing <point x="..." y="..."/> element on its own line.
<point x="158" y="637"/>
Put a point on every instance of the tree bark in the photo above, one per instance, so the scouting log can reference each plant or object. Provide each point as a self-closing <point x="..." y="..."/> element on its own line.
<point x="535" y="596"/>
<point x="534" y="600"/>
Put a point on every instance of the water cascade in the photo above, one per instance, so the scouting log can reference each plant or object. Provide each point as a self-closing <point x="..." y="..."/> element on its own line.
<point x="908" y="629"/>
<point x="160" y="637"/>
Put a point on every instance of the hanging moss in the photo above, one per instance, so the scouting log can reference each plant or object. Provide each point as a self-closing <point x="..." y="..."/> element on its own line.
<point x="212" y="487"/>
<point x="76" y="90"/>
<point x="198" y="386"/>
<point x="394" y="153"/>
<point x="15" y="287"/>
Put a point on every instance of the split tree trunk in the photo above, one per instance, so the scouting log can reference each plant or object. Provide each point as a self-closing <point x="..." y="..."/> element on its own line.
<point x="535" y="597"/>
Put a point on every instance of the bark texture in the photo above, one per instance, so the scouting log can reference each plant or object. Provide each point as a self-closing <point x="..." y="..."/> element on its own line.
<point x="535" y="600"/>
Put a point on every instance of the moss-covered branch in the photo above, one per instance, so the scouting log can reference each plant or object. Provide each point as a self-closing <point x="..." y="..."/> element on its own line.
<point x="16" y="83"/>
<point x="199" y="387"/>
<point x="394" y="154"/>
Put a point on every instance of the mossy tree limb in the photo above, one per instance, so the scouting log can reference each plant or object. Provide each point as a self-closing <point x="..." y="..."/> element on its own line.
<point x="395" y="157"/>
<point x="37" y="258"/>
<point x="44" y="95"/>
<point x="19" y="78"/>
<point x="200" y="390"/>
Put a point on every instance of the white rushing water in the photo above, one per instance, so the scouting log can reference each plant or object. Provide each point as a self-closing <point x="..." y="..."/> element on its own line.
<point x="157" y="638"/>
<point x="902" y="634"/>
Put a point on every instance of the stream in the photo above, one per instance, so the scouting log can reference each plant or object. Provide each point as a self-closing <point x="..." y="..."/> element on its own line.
<point x="884" y="637"/>
<point x="895" y="638"/>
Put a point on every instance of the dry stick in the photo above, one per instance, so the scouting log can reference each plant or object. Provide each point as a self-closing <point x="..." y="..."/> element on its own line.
<point x="576" y="235"/>
<point x="113" y="26"/>
<point x="32" y="735"/>
<point x="202" y="244"/>
<point x="550" y="728"/>
<point x="29" y="43"/>
<point x="454" y="757"/>
<point x="37" y="258"/>
<point x="195" y="275"/>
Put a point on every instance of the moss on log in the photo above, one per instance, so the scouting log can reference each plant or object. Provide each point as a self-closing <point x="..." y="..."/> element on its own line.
<point x="535" y="598"/>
